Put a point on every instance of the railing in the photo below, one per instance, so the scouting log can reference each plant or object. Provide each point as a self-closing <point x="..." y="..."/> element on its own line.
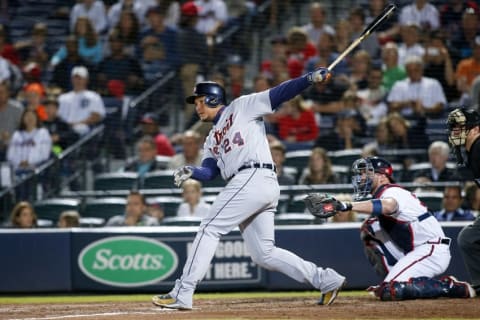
<point x="46" y="180"/>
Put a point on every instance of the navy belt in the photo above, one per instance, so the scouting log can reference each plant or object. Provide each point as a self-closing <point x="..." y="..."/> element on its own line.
<point x="258" y="165"/>
<point x="424" y="216"/>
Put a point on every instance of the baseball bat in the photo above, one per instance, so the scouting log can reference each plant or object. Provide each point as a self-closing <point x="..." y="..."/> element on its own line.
<point x="368" y="30"/>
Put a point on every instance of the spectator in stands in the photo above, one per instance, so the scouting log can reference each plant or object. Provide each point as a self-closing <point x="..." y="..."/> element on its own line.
<point x="62" y="68"/>
<point x="356" y="17"/>
<point x="392" y="71"/>
<point x="319" y="170"/>
<point x="193" y="204"/>
<point x="278" y="151"/>
<point x="195" y="55"/>
<point x="276" y="64"/>
<point x="191" y="154"/>
<point x="410" y="44"/>
<point x="31" y="144"/>
<point x="135" y="213"/>
<point x="120" y="67"/>
<point x="472" y="198"/>
<point x="451" y="13"/>
<point x="213" y="16"/>
<point x="317" y="24"/>
<point x="166" y="39"/>
<point x="69" y="219"/>
<point x="417" y="95"/>
<point x="149" y="127"/>
<point x="128" y="30"/>
<point x="326" y="97"/>
<point x="61" y="133"/>
<point x="36" y="48"/>
<point x="348" y="128"/>
<point x="5" y="72"/>
<point x="10" y="115"/>
<point x="360" y="67"/>
<point x="135" y="7"/>
<point x="372" y="99"/>
<point x="467" y="70"/>
<point x="236" y="83"/>
<point x="22" y="216"/>
<point x="326" y="54"/>
<point x="81" y="108"/>
<point x="451" y="206"/>
<point x="94" y="10"/>
<point x="300" y="50"/>
<point x="7" y="50"/>
<point x="463" y="41"/>
<point x="438" y="156"/>
<point x="90" y="48"/>
<point x="34" y="94"/>
<point x="422" y="13"/>
<point x="296" y="122"/>
<point x="343" y="35"/>
<point x="382" y="140"/>
<point x="145" y="158"/>
<point x="404" y="135"/>
<point x="439" y="65"/>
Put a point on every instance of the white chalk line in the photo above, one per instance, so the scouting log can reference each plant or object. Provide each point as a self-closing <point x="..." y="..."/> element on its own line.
<point x="104" y="314"/>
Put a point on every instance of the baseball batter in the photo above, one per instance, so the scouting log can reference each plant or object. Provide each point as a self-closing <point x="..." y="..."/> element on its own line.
<point x="237" y="148"/>
<point x="403" y="240"/>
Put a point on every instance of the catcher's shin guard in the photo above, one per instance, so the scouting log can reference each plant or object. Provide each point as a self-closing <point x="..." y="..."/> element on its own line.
<point x="425" y="288"/>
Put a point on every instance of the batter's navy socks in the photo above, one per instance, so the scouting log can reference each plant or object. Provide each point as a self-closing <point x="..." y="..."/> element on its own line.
<point x="329" y="297"/>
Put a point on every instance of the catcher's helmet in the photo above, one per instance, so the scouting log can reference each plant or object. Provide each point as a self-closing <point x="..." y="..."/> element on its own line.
<point x="213" y="92"/>
<point x="459" y="123"/>
<point x="363" y="171"/>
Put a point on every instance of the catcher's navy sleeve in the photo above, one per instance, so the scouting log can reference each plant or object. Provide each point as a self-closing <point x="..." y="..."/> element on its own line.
<point x="207" y="171"/>
<point x="287" y="90"/>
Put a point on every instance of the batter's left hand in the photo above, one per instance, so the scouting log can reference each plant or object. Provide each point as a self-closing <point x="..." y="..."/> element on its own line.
<point x="320" y="75"/>
<point x="182" y="174"/>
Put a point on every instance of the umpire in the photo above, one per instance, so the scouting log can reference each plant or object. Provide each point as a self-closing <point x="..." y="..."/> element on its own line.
<point x="464" y="131"/>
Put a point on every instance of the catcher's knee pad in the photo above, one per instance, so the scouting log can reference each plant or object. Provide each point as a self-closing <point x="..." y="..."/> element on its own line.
<point x="415" y="288"/>
<point x="375" y="257"/>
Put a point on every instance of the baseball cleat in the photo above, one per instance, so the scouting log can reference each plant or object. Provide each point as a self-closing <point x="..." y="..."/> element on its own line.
<point x="162" y="299"/>
<point x="460" y="289"/>
<point x="175" y="305"/>
<point x="329" y="297"/>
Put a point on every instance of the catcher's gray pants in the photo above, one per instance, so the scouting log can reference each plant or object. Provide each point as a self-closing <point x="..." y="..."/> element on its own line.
<point x="469" y="242"/>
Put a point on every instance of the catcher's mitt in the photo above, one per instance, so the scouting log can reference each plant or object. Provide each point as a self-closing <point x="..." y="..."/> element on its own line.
<point x="324" y="205"/>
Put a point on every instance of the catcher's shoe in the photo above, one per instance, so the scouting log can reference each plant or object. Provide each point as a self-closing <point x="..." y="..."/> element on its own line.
<point x="329" y="297"/>
<point x="459" y="289"/>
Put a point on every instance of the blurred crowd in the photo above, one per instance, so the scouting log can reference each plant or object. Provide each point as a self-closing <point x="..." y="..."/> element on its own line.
<point x="393" y="92"/>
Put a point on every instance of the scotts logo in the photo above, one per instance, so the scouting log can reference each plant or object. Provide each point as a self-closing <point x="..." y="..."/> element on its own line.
<point x="127" y="261"/>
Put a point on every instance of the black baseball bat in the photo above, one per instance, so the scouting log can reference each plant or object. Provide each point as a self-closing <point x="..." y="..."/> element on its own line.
<point x="368" y="30"/>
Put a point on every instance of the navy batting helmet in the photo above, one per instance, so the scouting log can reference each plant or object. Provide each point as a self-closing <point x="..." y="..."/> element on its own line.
<point x="213" y="92"/>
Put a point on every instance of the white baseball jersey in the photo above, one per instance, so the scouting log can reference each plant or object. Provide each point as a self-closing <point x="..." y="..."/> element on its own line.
<point x="238" y="123"/>
<point x="77" y="106"/>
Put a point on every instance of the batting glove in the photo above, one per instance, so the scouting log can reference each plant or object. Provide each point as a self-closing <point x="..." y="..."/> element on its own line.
<point x="319" y="75"/>
<point x="181" y="174"/>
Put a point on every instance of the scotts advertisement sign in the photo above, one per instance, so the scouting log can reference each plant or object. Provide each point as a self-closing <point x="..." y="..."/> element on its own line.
<point x="127" y="261"/>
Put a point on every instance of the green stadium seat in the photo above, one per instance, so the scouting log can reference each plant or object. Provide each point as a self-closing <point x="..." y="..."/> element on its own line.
<point x="50" y="209"/>
<point x="344" y="157"/>
<point x="294" y="219"/>
<point x="432" y="199"/>
<point x="104" y="208"/>
<point x="181" y="221"/>
<point x="116" y="181"/>
<point x="169" y="204"/>
<point x="158" y="179"/>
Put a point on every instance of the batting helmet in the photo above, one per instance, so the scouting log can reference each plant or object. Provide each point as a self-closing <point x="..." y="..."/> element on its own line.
<point x="213" y="92"/>
<point x="363" y="171"/>
<point x="459" y="122"/>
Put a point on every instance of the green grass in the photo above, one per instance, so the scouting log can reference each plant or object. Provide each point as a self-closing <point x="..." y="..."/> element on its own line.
<point x="81" y="298"/>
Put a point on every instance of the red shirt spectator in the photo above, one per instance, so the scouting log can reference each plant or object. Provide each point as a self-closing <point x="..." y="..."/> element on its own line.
<point x="296" y="122"/>
<point x="150" y="127"/>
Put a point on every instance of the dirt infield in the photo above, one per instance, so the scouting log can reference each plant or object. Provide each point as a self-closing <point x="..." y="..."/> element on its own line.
<point x="362" y="307"/>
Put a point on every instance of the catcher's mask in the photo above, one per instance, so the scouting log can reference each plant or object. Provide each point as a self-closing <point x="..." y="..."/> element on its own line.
<point x="363" y="172"/>
<point x="459" y="123"/>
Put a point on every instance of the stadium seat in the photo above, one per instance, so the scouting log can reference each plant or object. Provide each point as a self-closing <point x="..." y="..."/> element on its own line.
<point x="294" y="219"/>
<point x="116" y="181"/>
<point x="162" y="161"/>
<point x="50" y="209"/>
<point x="158" y="179"/>
<point x="432" y="199"/>
<point x="297" y="204"/>
<point x="169" y="204"/>
<point x="283" y="203"/>
<point x="344" y="157"/>
<point x="343" y="172"/>
<point x="181" y="221"/>
<point x="218" y="182"/>
<point x="104" y="208"/>
<point x="297" y="159"/>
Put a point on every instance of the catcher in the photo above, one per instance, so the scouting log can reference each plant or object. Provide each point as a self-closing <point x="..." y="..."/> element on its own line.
<point x="402" y="239"/>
